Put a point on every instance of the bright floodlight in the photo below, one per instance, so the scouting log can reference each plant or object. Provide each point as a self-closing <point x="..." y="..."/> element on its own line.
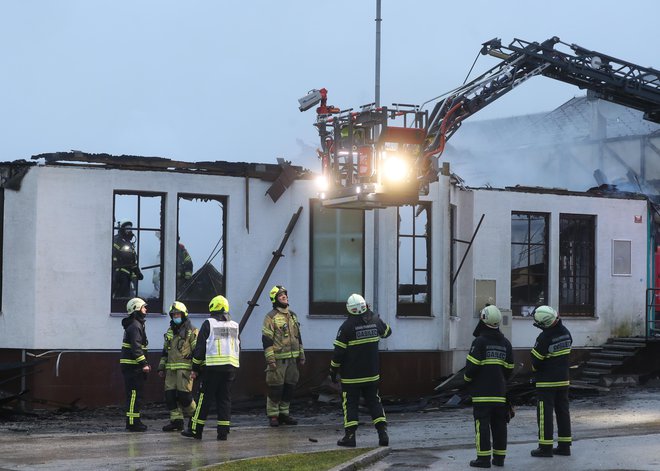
<point x="322" y="183"/>
<point x="395" y="169"/>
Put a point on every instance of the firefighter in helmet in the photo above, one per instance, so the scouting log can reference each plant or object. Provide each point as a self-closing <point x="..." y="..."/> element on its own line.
<point x="134" y="366"/>
<point x="550" y="362"/>
<point x="356" y="360"/>
<point x="125" y="270"/>
<point x="184" y="267"/>
<point x="176" y="366"/>
<point x="487" y="368"/>
<point x="217" y="351"/>
<point x="283" y="349"/>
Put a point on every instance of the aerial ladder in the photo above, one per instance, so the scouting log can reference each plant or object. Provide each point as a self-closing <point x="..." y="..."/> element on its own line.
<point x="376" y="157"/>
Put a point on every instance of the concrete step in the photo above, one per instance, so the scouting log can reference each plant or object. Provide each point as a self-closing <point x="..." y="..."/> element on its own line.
<point x="609" y="364"/>
<point x="590" y="372"/>
<point x="622" y="353"/>
<point x="623" y="346"/>
<point x="613" y="355"/>
<point x="640" y="340"/>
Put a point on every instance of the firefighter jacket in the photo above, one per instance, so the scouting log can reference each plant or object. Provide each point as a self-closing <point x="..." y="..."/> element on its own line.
<point x="124" y="257"/>
<point x="550" y="357"/>
<point x="356" y="348"/>
<point x="488" y="365"/>
<point x="178" y="347"/>
<point x="280" y="335"/>
<point x="134" y="344"/>
<point x="218" y="344"/>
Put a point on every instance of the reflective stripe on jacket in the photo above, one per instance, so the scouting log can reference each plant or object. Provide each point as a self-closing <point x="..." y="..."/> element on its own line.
<point x="280" y="335"/>
<point x="550" y="357"/>
<point x="178" y="347"/>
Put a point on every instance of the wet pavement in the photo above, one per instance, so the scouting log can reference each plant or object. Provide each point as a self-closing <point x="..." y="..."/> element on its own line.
<point x="618" y="431"/>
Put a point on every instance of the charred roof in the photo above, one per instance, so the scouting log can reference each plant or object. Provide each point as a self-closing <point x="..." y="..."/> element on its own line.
<point x="263" y="171"/>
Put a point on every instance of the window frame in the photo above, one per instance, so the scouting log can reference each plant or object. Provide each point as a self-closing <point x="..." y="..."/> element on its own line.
<point x="573" y="309"/>
<point x="200" y="308"/>
<point x="119" y="305"/>
<point x="416" y="309"/>
<point x="328" y="308"/>
<point x="517" y="308"/>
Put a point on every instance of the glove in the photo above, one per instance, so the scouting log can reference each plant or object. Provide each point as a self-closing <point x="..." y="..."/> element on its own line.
<point x="140" y="276"/>
<point x="333" y="375"/>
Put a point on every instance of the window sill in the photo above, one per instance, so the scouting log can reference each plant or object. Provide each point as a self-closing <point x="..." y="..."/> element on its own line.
<point x="415" y="317"/>
<point x="149" y="314"/>
<point x="327" y="316"/>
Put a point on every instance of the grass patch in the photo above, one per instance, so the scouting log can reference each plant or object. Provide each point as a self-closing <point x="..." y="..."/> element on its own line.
<point x="316" y="461"/>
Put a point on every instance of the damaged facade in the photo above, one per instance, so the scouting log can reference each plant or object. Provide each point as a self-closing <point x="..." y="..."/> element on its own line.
<point x="589" y="253"/>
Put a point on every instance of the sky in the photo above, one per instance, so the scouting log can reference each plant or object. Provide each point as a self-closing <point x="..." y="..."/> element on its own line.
<point x="220" y="80"/>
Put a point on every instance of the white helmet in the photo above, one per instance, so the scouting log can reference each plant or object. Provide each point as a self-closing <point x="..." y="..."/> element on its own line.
<point x="544" y="317"/>
<point x="135" y="304"/>
<point x="356" y="305"/>
<point x="491" y="316"/>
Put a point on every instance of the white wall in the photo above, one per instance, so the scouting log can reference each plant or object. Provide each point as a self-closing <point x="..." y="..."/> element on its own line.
<point x="619" y="299"/>
<point x="58" y="229"/>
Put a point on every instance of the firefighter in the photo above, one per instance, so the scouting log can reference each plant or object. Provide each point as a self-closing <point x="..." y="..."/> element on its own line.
<point x="176" y="366"/>
<point x="217" y="350"/>
<point x="487" y="368"/>
<point x="283" y="349"/>
<point x="184" y="267"/>
<point x="134" y="366"/>
<point x="356" y="360"/>
<point x="125" y="270"/>
<point x="550" y="362"/>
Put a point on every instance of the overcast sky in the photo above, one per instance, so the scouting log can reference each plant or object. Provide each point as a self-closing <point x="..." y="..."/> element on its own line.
<point x="219" y="80"/>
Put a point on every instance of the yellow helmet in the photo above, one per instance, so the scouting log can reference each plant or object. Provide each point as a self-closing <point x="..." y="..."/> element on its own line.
<point x="275" y="292"/>
<point x="178" y="306"/>
<point x="219" y="304"/>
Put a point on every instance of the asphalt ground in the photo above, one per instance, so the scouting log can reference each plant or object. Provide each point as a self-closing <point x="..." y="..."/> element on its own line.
<point x="619" y="431"/>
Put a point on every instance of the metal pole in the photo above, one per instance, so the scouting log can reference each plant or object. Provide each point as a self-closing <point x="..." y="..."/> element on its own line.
<point x="374" y="302"/>
<point x="379" y="20"/>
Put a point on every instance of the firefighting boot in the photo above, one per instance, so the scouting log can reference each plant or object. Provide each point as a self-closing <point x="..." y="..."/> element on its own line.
<point x="176" y="424"/>
<point x="498" y="460"/>
<point x="383" y="438"/>
<point x="349" y="437"/>
<point x="563" y="449"/>
<point x="286" y="420"/>
<point x="136" y="426"/>
<point x="543" y="451"/>
<point x="190" y="433"/>
<point x="273" y="421"/>
<point x="481" y="462"/>
<point x="223" y="431"/>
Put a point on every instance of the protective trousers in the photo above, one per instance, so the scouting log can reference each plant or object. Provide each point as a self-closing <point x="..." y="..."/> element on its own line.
<point x="178" y="394"/>
<point x="134" y="379"/>
<point x="216" y="387"/>
<point x="121" y="284"/>
<point x="549" y="400"/>
<point x="351" y="400"/>
<point x="281" y="382"/>
<point x="490" y="419"/>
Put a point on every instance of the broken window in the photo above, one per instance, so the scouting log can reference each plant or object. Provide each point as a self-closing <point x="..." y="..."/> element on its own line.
<point x="336" y="258"/>
<point x="576" y="264"/>
<point x="200" y="250"/>
<point x="529" y="262"/>
<point x="414" y="260"/>
<point x="137" y="249"/>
